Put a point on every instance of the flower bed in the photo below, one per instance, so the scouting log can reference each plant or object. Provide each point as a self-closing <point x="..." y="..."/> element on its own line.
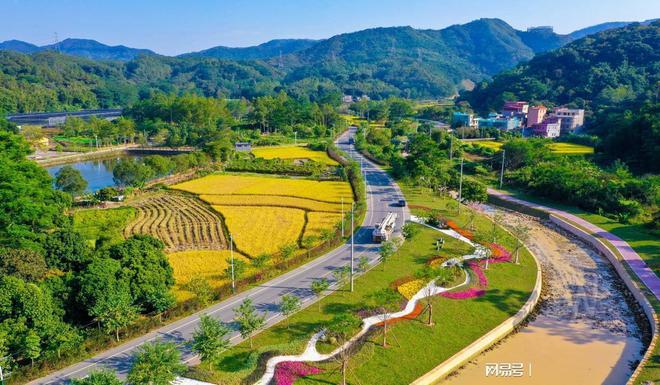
<point x="466" y="233"/>
<point x="401" y="281"/>
<point x="500" y="254"/>
<point x="287" y="372"/>
<point x="419" y="308"/>
<point x="436" y="261"/>
<point x="472" y="292"/>
<point x="476" y="269"/>
<point x="409" y="289"/>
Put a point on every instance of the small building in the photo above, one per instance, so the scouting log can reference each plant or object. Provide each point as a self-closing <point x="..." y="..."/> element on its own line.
<point x="518" y="109"/>
<point x="535" y="115"/>
<point x="462" y="119"/>
<point x="549" y="128"/>
<point x="243" y="147"/>
<point x="571" y="119"/>
<point x="347" y="99"/>
<point x="499" y="122"/>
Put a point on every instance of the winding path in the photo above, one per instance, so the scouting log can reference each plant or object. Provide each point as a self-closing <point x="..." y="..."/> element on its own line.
<point x="311" y="354"/>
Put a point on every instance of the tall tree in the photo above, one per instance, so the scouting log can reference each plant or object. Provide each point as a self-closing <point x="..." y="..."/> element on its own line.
<point x="385" y="301"/>
<point x="341" y="327"/>
<point x="289" y="304"/>
<point x="70" y="180"/>
<point x="318" y="287"/>
<point x="249" y="320"/>
<point x="157" y="363"/>
<point x="209" y="339"/>
<point x="115" y="311"/>
<point x="99" y="377"/>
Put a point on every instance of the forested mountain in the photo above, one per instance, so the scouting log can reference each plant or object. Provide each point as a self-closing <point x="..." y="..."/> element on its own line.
<point x="90" y="49"/>
<point x="614" y="75"/>
<point x="379" y="62"/>
<point x="266" y="50"/>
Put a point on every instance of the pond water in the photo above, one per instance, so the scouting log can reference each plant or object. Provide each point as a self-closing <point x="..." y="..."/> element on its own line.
<point x="97" y="172"/>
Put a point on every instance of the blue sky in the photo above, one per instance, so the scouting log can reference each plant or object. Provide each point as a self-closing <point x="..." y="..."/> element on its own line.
<point x="172" y="27"/>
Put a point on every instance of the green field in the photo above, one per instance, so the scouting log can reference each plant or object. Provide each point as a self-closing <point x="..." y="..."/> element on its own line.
<point x="415" y="347"/>
<point x="103" y="225"/>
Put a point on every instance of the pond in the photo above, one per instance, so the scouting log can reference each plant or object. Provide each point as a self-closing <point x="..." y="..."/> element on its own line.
<point x="97" y="172"/>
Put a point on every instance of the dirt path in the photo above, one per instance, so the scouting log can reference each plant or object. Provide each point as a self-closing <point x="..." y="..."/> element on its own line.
<point x="584" y="333"/>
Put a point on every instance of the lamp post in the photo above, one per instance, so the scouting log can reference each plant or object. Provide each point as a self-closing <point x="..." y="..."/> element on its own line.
<point x="460" y="188"/>
<point x="342" y="217"/>
<point x="352" y="247"/>
<point x="502" y="171"/>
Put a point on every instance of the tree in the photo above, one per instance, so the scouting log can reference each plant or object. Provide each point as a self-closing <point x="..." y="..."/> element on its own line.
<point x="341" y="274"/>
<point x="209" y="339"/>
<point x="99" y="377"/>
<point x="131" y="172"/>
<point x="385" y="301"/>
<point x="498" y="218"/>
<point x="521" y="232"/>
<point x="240" y="267"/>
<point x="308" y="243"/>
<point x="32" y="346"/>
<point x="289" y="304"/>
<point x="287" y="250"/>
<point x="157" y="363"/>
<point x="409" y="231"/>
<point x="318" y="287"/>
<point x="66" y="249"/>
<point x="115" y="311"/>
<point x="249" y="321"/>
<point x="260" y="260"/>
<point x="363" y="263"/>
<point x="201" y="288"/>
<point x="342" y="327"/>
<point x="441" y="276"/>
<point x="145" y="267"/>
<point x="28" y="265"/>
<point x="387" y="249"/>
<point x="69" y="180"/>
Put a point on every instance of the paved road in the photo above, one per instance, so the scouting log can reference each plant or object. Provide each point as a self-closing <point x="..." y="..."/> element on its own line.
<point x="382" y="196"/>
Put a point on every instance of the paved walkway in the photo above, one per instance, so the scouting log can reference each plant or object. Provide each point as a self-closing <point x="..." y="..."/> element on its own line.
<point x="636" y="263"/>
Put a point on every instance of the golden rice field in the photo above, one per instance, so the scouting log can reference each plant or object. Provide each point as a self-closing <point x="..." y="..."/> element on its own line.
<point x="488" y="144"/>
<point x="208" y="264"/>
<point x="262" y="229"/>
<point x="274" y="200"/>
<point x="570" y="148"/>
<point x="293" y="152"/>
<point x="317" y="222"/>
<point x="327" y="191"/>
<point x="180" y="222"/>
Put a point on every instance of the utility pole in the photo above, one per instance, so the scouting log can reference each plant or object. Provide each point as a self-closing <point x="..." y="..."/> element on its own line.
<point x="295" y="136"/>
<point x="352" y="247"/>
<point x="231" y="253"/>
<point x="460" y="188"/>
<point x="502" y="171"/>
<point x="342" y="217"/>
<point x="451" y="147"/>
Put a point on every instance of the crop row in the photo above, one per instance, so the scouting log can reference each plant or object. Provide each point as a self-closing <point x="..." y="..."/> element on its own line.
<point x="180" y="222"/>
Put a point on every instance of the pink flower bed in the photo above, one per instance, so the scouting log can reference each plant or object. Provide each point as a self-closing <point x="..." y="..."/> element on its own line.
<point x="500" y="253"/>
<point x="287" y="372"/>
<point x="483" y="281"/>
<point x="472" y="292"/>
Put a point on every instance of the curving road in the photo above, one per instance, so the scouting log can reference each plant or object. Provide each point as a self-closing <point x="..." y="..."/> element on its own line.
<point x="382" y="196"/>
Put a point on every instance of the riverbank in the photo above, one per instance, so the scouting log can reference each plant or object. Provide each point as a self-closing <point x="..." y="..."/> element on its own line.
<point x="52" y="158"/>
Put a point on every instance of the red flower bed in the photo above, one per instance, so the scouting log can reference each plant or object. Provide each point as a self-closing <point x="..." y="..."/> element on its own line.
<point x="419" y="308"/>
<point x="500" y="254"/>
<point x="287" y="372"/>
<point x="472" y="292"/>
<point x="466" y="233"/>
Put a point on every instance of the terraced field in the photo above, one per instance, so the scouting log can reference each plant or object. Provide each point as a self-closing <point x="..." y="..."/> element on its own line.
<point x="264" y="214"/>
<point x="181" y="222"/>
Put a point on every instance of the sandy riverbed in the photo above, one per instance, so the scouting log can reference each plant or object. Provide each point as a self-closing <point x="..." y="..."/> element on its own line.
<point x="584" y="333"/>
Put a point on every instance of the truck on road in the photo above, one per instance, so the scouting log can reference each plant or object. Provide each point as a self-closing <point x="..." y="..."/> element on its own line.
<point x="383" y="231"/>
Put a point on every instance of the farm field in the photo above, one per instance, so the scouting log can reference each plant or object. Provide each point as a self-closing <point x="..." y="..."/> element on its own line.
<point x="293" y="152"/>
<point x="266" y="214"/>
<point x="208" y="264"/>
<point x="181" y="222"/>
<point x="556" y="147"/>
<point x="570" y="148"/>
<point x="262" y="229"/>
<point x="102" y="225"/>
<point x="417" y="347"/>
<point x="326" y="191"/>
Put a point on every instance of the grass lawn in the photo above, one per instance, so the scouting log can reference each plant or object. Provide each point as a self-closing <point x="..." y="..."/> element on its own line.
<point x="107" y="225"/>
<point x="643" y="240"/>
<point x="415" y="348"/>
